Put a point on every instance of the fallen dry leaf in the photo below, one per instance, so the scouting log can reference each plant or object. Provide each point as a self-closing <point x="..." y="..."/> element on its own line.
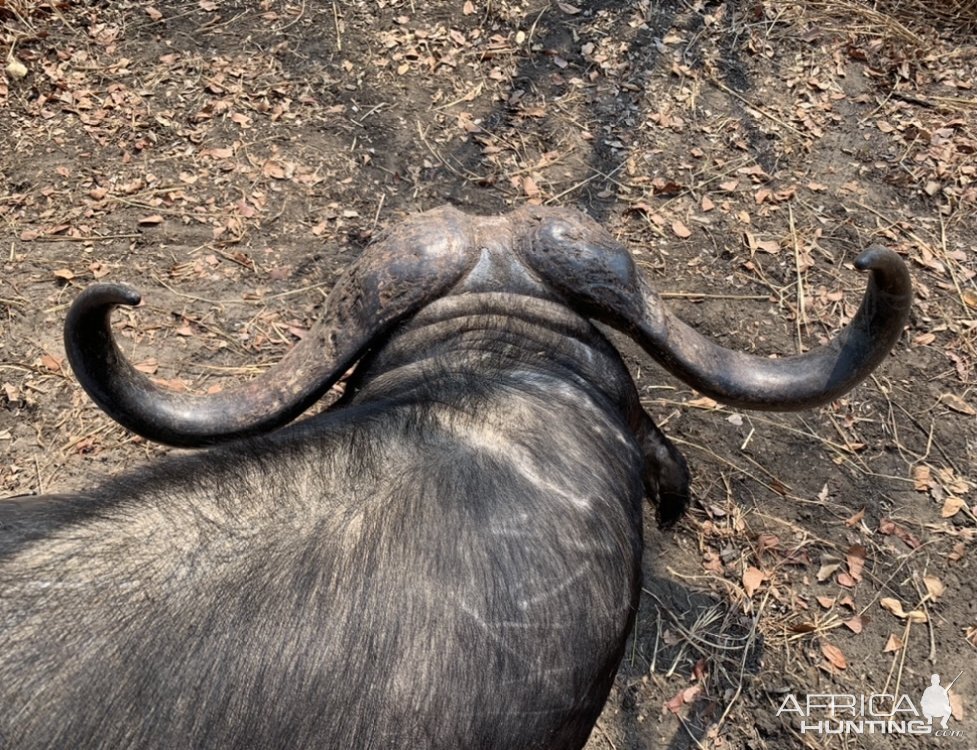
<point x="274" y="170"/>
<point x="957" y="404"/>
<point x="766" y="542"/>
<point x="956" y="705"/>
<point x="218" y="153"/>
<point x="674" y="704"/>
<point x="888" y="527"/>
<point x="52" y="363"/>
<point x="150" y="220"/>
<point x="893" y="644"/>
<point x="802" y="627"/>
<point x="15" y="68"/>
<point x="855" y="519"/>
<point x="846" y="580"/>
<point x="951" y="506"/>
<point x="856" y="561"/>
<point x="834" y="655"/>
<point x="827" y="570"/>
<point x="752" y="578"/>
<point x="922" y="478"/>
<point x="767" y="246"/>
<point x="894" y="606"/>
<point x="680" y="229"/>
<point x="175" y="384"/>
<point x="857" y="623"/>
<point x="934" y="587"/>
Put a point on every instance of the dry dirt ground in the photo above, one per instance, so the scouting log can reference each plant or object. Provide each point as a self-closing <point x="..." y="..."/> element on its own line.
<point x="230" y="158"/>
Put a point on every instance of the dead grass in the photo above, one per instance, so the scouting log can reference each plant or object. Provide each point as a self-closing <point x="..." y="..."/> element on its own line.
<point x="904" y="20"/>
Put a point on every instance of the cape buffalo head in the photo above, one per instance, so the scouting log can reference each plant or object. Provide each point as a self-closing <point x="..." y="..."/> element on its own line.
<point x="555" y="254"/>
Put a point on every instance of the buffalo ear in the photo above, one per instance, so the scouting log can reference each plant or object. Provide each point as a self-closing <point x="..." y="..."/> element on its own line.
<point x="597" y="277"/>
<point x="414" y="264"/>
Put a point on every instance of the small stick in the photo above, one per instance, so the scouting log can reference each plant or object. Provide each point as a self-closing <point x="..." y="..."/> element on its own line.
<point x="703" y="295"/>
<point x="801" y="318"/>
<point x="89" y="238"/>
<point x="376" y="216"/>
<point x="339" y="32"/>
<point x="753" y="106"/>
<point x="597" y="173"/>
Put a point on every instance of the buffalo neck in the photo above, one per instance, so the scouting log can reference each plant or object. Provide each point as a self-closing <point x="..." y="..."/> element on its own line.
<point x="492" y="338"/>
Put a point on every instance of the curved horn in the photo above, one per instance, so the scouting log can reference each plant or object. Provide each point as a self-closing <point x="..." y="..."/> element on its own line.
<point x="599" y="279"/>
<point x="391" y="280"/>
<point x="798" y="382"/>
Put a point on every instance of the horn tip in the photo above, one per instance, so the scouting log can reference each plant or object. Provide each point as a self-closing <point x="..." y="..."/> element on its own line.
<point x="104" y="294"/>
<point x="889" y="271"/>
<point x="877" y="257"/>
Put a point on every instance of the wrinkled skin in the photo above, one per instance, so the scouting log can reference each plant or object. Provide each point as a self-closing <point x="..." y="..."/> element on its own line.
<point x="447" y="558"/>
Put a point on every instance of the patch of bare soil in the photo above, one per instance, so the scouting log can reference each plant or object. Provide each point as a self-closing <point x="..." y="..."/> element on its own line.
<point x="229" y="158"/>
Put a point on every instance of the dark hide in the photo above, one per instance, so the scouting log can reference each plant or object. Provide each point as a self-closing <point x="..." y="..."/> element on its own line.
<point x="448" y="560"/>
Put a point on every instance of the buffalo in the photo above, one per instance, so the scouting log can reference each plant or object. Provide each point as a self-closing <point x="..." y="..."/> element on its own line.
<point x="448" y="557"/>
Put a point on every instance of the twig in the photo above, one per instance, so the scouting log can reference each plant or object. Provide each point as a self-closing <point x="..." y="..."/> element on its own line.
<point x="902" y="658"/>
<point x="163" y="284"/>
<point x="90" y="238"/>
<point x="376" y="216"/>
<point x="37" y="474"/>
<point x="469" y="177"/>
<point x="746" y="652"/>
<point x="800" y="319"/>
<point x="296" y="19"/>
<point x="758" y="109"/>
<point x="606" y="737"/>
<point x="913" y="100"/>
<point x="703" y="295"/>
<point x="339" y="32"/>
<point x="689" y="732"/>
<point x="585" y="181"/>
<point x="227" y="256"/>
<point x="949" y="265"/>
